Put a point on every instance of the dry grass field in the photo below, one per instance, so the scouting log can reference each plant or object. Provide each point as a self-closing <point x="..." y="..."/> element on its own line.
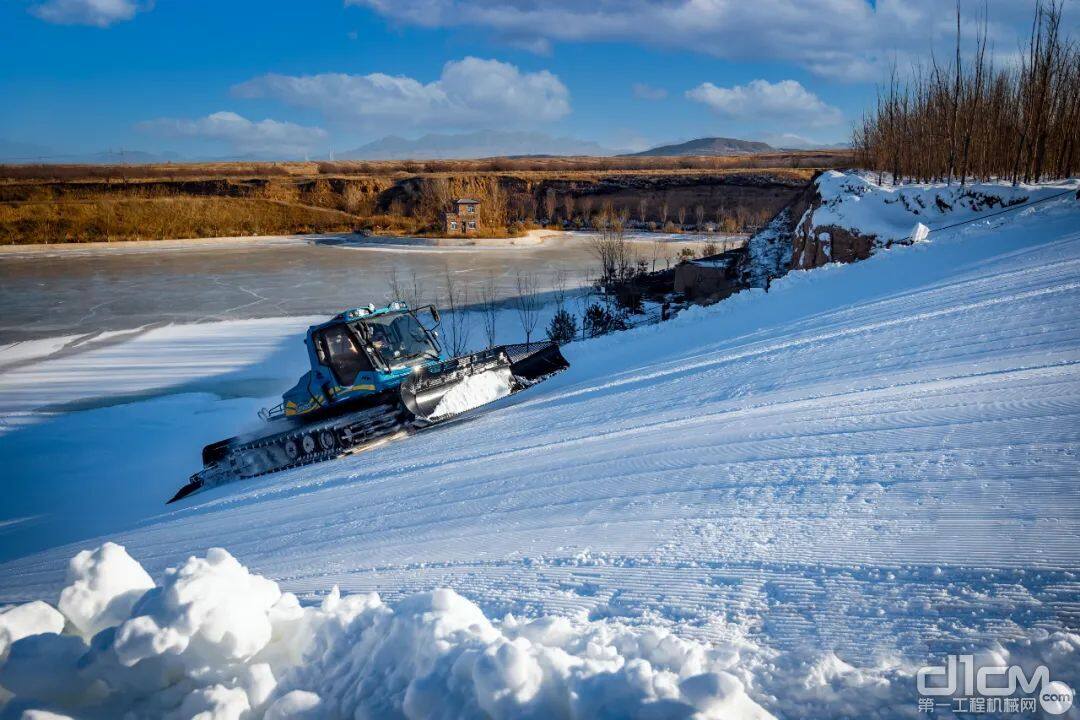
<point x="86" y="203"/>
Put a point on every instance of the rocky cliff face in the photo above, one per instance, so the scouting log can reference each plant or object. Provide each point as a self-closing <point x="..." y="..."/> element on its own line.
<point x="769" y="252"/>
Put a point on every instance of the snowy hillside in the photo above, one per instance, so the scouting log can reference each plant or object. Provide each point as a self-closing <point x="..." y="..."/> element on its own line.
<point x="782" y="504"/>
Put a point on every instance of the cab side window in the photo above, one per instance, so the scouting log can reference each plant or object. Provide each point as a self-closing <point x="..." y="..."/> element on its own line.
<point x="345" y="357"/>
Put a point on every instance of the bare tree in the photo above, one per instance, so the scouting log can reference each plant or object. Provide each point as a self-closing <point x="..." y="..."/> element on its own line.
<point x="699" y="213"/>
<point x="393" y="283"/>
<point x="643" y="209"/>
<point x="971" y="119"/>
<point x="568" y="207"/>
<point x="681" y="214"/>
<point x="657" y="251"/>
<point x="586" y="203"/>
<point x="457" y="299"/>
<point x="411" y="291"/>
<point x="434" y="200"/>
<point x="616" y="257"/>
<point x="665" y="210"/>
<point x="607" y="213"/>
<point x="527" y="303"/>
<point x="558" y="285"/>
<point x="550" y="203"/>
<point x="489" y="307"/>
<point x="415" y="294"/>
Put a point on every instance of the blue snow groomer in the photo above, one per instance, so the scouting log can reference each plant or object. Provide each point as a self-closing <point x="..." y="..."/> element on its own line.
<point x="373" y="373"/>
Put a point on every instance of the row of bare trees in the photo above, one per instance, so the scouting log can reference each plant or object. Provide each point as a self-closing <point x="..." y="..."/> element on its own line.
<point x="570" y="209"/>
<point x="973" y="120"/>
<point x="457" y="299"/>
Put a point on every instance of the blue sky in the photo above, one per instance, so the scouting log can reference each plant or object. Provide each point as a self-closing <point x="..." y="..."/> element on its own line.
<point x="207" y="78"/>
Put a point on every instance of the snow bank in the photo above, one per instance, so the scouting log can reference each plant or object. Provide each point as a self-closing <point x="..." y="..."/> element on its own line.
<point x="213" y="640"/>
<point x="474" y="391"/>
<point x="855" y="202"/>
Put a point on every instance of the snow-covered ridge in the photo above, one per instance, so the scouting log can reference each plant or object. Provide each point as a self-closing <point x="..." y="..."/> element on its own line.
<point x="854" y="215"/>
<point x="213" y="640"/>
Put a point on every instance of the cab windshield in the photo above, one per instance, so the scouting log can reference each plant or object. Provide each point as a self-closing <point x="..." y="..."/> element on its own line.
<point x="399" y="339"/>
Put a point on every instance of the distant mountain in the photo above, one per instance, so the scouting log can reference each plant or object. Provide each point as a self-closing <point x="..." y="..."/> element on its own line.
<point x="28" y="153"/>
<point x="127" y="157"/>
<point x="706" y="146"/>
<point x="14" y="151"/>
<point x="479" y="144"/>
<point x="791" y="141"/>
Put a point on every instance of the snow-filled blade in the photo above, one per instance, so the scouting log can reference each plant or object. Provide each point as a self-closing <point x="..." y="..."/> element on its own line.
<point x="471" y="381"/>
<point x="533" y="362"/>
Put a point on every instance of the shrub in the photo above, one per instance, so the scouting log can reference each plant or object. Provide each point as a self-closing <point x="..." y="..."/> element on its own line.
<point x="600" y="321"/>
<point x="562" y="328"/>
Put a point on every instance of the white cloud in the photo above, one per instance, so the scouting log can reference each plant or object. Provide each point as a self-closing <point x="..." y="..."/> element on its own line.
<point x="469" y="93"/>
<point x="648" y="92"/>
<point x="847" y="39"/>
<point x="99" y="13"/>
<point x="760" y="100"/>
<point x="264" y="137"/>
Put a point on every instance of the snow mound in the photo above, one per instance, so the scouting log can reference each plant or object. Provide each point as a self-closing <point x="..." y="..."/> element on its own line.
<point x="214" y="640"/>
<point x="32" y="618"/>
<point x="474" y="391"/>
<point x="103" y="585"/>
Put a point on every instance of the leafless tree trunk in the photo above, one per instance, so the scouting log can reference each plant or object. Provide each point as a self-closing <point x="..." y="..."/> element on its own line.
<point x="458" y="330"/>
<point x="617" y="260"/>
<point x="415" y="294"/>
<point x="558" y="285"/>
<point x="411" y="291"/>
<point x="489" y="307"/>
<point x="527" y="303"/>
<point x="643" y="209"/>
<point x="393" y="283"/>
<point x="658" y="251"/>
<point x="550" y="203"/>
<point x="681" y="214"/>
<point x="568" y="207"/>
<point x="699" y="213"/>
<point x="586" y="203"/>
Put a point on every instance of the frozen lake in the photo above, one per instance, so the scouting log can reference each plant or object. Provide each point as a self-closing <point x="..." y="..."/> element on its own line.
<point x="63" y="290"/>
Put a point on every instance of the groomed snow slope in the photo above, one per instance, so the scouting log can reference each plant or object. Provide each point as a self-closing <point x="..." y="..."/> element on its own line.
<point x="876" y="460"/>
